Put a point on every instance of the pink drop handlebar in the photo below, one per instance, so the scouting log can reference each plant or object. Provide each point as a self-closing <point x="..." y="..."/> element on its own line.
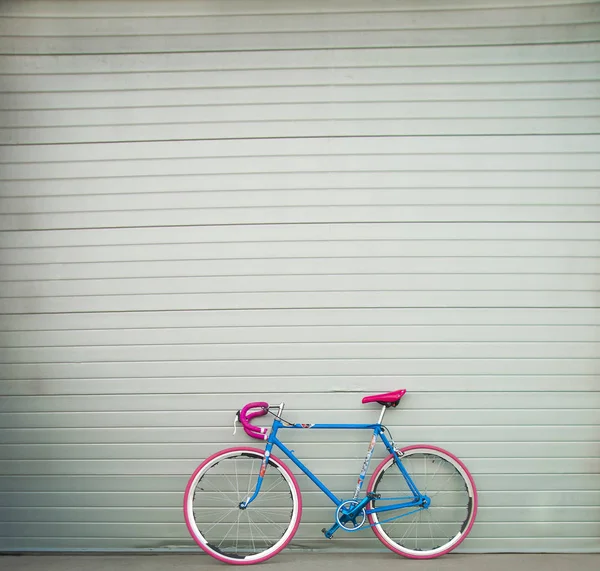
<point x="245" y="415"/>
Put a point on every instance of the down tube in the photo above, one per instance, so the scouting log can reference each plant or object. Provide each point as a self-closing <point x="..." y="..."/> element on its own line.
<point x="302" y="467"/>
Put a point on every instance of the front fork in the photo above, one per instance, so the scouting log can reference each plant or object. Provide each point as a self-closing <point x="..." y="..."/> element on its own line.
<point x="261" y="474"/>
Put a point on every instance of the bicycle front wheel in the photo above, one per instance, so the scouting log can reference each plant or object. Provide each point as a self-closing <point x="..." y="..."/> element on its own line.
<point x="218" y="524"/>
<point x="426" y="532"/>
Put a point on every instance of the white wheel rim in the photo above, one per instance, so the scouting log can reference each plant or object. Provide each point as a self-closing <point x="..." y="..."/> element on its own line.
<point x="258" y="556"/>
<point x="448" y="545"/>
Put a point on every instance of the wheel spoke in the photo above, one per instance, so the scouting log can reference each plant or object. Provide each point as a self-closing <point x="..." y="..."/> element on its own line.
<point x="218" y="494"/>
<point x="275" y="483"/>
<point x="260" y="531"/>
<point x="219" y="521"/>
<point x="250" y="529"/>
<point x="262" y="514"/>
<point x="443" y="484"/>
<point x="224" y="475"/>
<point x="228" y="532"/>
<point x="237" y="531"/>
<point x="434" y="475"/>
<point x="444" y="532"/>
<point x="414" y="520"/>
<point x="237" y="483"/>
<point x="250" y="480"/>
<point x="263" y="496"/>
<point x="430" y="527"/>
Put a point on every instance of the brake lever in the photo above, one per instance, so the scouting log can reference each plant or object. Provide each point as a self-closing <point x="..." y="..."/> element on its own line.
<point x="236" y="419"/>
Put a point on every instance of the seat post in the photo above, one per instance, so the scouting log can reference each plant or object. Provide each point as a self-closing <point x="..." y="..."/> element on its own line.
<point x="383" y="408"/>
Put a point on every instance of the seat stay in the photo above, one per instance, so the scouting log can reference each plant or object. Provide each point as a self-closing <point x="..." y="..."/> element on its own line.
<point x="397" y="457"/>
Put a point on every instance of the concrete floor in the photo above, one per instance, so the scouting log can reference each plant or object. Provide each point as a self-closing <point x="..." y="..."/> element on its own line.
<point x="302" y="561"/>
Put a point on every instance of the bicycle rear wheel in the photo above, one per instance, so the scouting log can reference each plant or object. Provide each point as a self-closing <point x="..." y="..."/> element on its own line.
<point x="224" y="530"/>
<point x="427" y="532"/>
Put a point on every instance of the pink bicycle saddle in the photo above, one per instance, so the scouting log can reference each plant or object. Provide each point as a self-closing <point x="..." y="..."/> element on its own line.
<point x="391" y="399"/>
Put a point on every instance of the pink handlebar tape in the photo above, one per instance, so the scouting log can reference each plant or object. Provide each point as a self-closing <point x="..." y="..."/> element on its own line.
<point x="246" y="415"/>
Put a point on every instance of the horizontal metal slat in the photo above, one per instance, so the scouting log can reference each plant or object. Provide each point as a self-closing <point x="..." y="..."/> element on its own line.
<point x="302" y="215"/>
<point x="275" y="129"/>
<point x="307" y="300"/>
<point x="155" y="8"/>
<point x="324" y="21"/>
<point x="520" y="437"/>
<point x="449" y="180"/>
<point x="311" y="515"/>
<point x="306" y="317"/>
<point x="525" y="146"/>
<point x="300" y="351"/>
<point x="364" y="383"/>
<point x="155" y="483"/>
<point x="310" y="498"/>
<point x="91" y="337"/>
<point x="584" y="51"/>
<point x="325" y="467"/>
<point x="175" y="96"/>
<point x="454" y="417"/>
<point x="297" y="283"/>
<point x="497" y="163"/>
<point x="550" y="256"/>
<point x="203" y="400"/>
<point x="348" y="76"/>
<point x="302" y="368"/>
<point x="205" y="116"/>
<point x="466" y="238"/>
<point x="351" y="451"/>
<point x="538" y="33"/>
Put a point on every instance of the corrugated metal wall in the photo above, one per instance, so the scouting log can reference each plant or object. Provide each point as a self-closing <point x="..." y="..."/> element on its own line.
<point x="207" y="202"/>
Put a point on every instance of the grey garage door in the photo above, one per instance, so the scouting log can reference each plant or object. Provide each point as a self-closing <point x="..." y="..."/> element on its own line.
<point x="206" y="202"/>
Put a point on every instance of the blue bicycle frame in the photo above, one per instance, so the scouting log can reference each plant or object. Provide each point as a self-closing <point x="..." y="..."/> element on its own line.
<point x="417" y="500"/>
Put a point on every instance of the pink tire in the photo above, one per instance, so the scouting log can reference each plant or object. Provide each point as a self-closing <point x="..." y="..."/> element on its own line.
<point x="242" y="536"/>
<point x="426" y="532"/>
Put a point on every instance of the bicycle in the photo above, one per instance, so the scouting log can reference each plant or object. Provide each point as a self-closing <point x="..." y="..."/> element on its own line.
<point x="243" y="505"/>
